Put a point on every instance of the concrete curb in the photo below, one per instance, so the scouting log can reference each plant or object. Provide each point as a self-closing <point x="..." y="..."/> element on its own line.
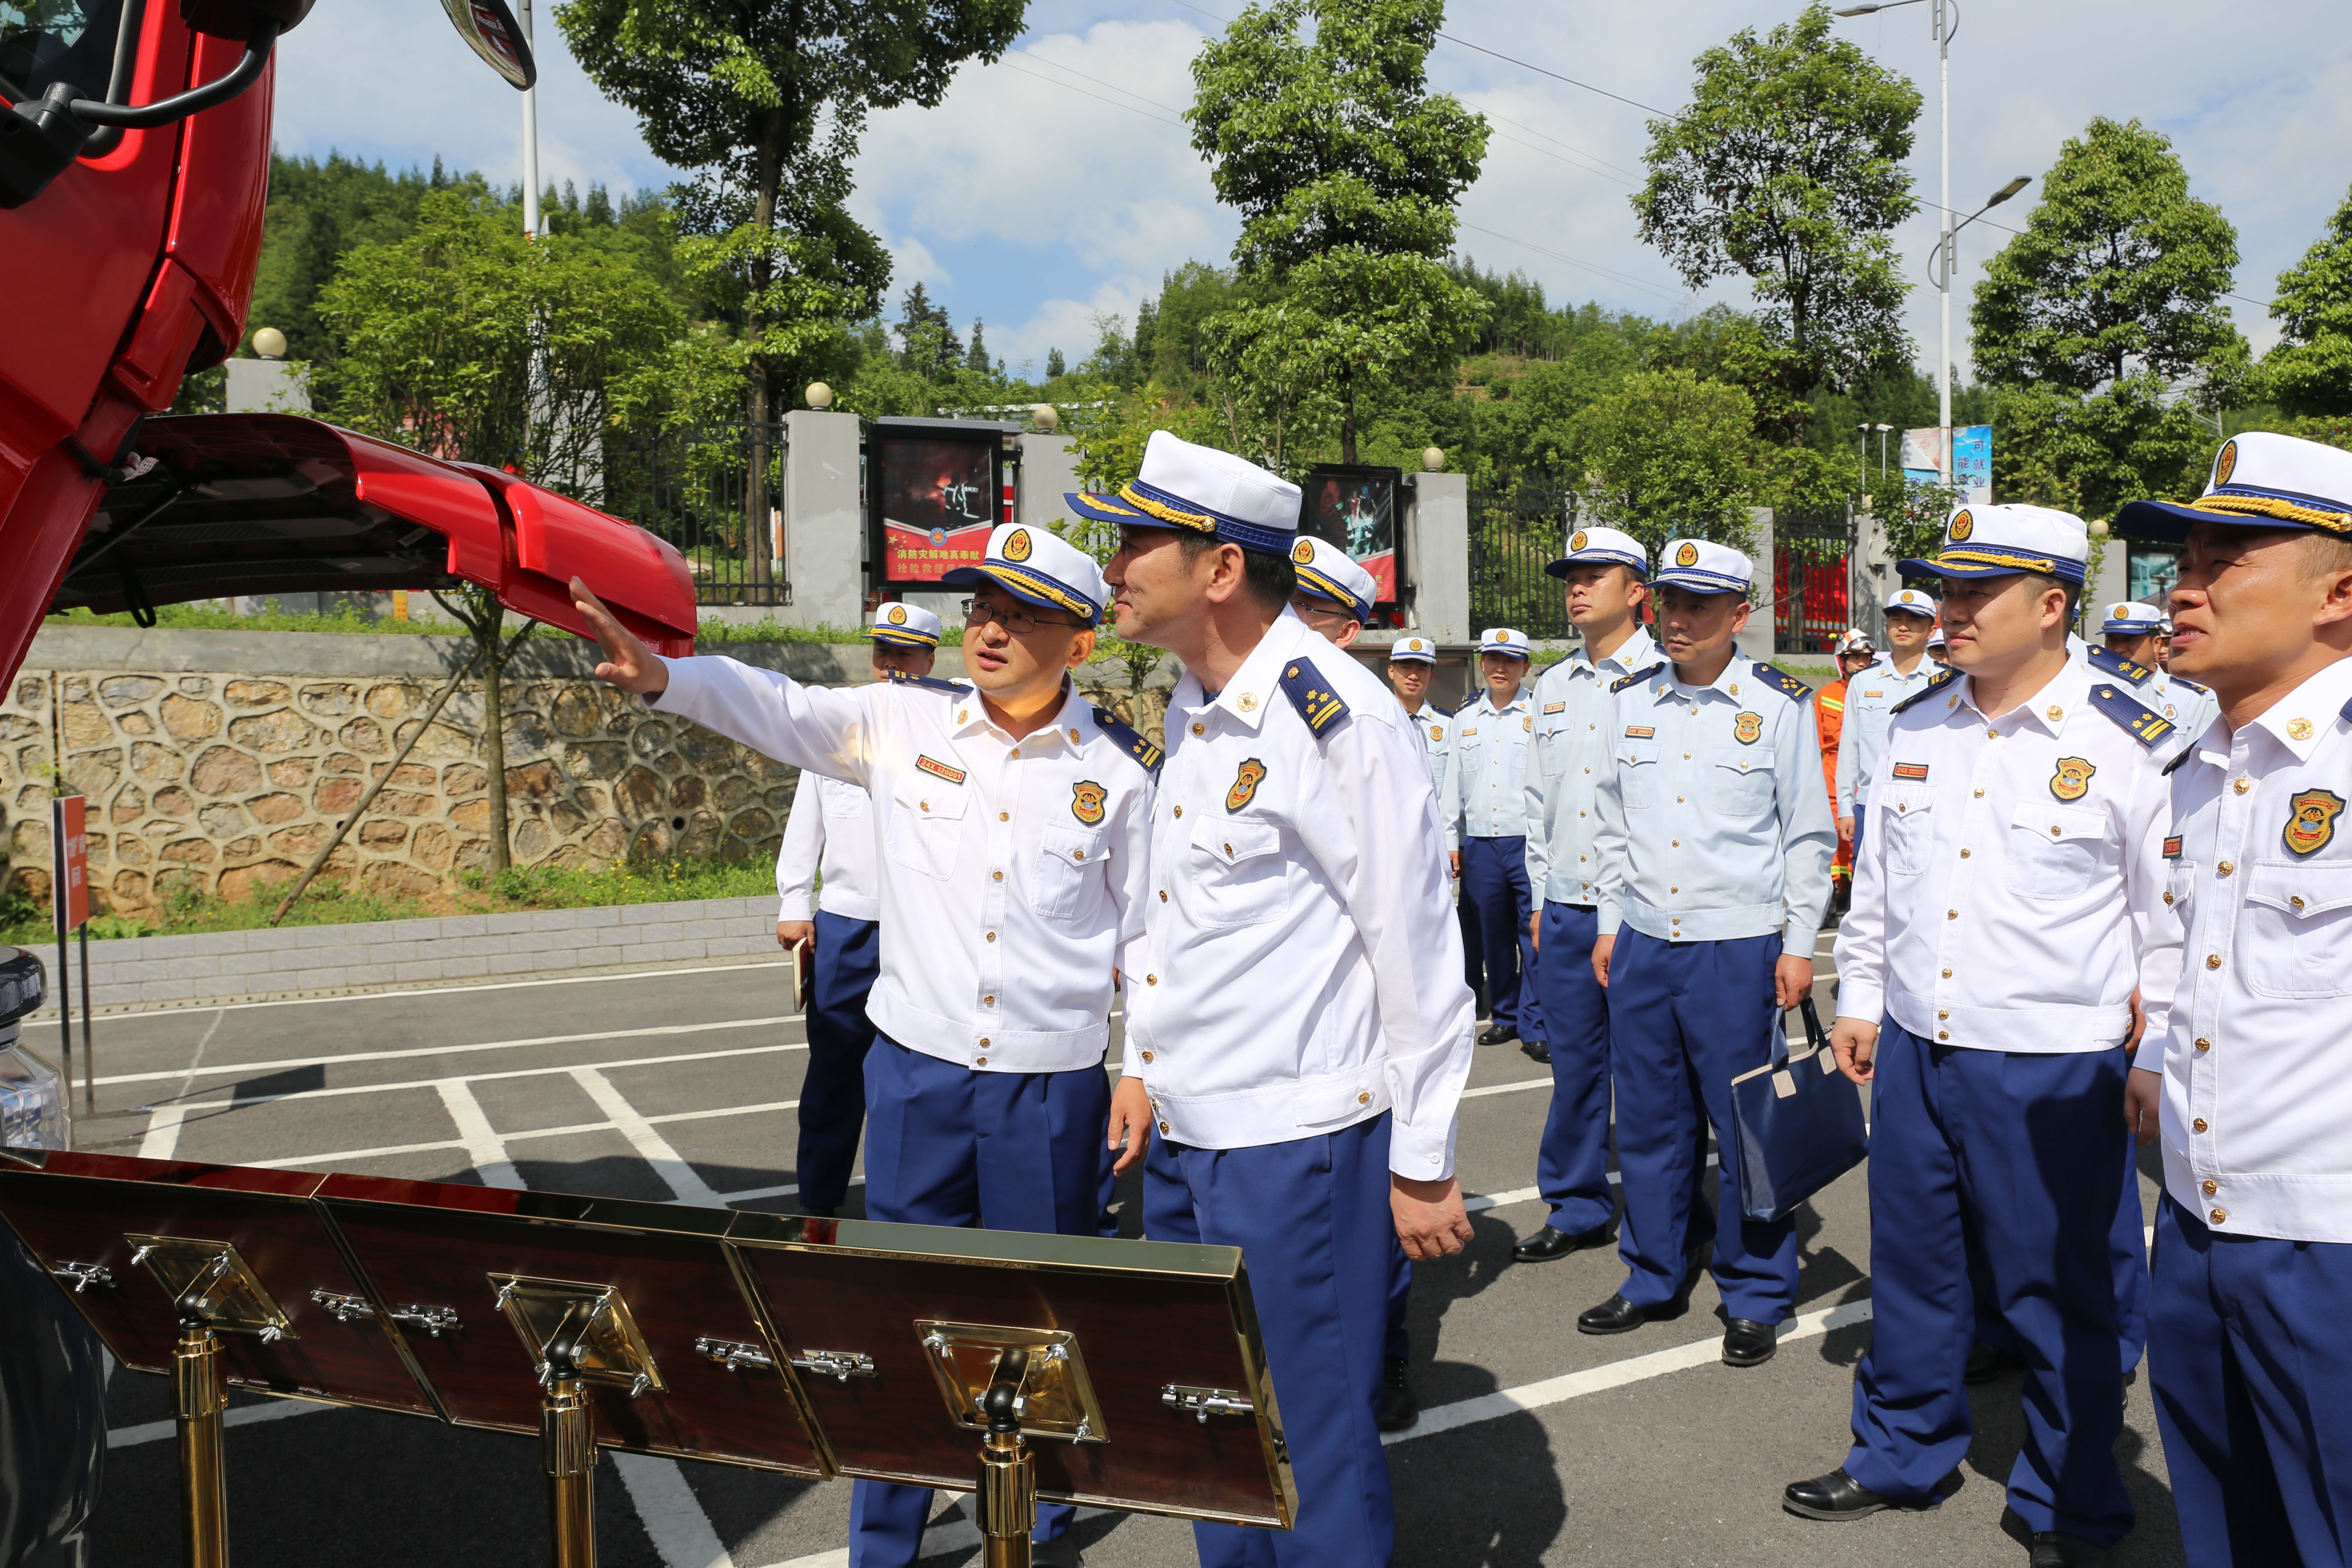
<point x="145" y="973"/>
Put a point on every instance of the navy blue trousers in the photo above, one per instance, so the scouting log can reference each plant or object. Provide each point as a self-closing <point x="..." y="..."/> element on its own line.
<point x="1397" y="1343"/>
<point x="1685" y="1019"/>
<point x="946" y="1145"/>
<point x="1312" y="1219"/>
<point x="2127" y="1259"/>
<point x="1495" y="876"/>
<point x="2028" y="1148"/>
<point x="1573" y="1162"/>
<point x="2252" y="1376"/>
<point x="1474" y="951"/>
<point x="833" y="1095"/>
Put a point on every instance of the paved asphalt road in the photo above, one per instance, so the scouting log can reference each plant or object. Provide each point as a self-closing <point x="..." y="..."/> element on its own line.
<point x="1537" y="1444"/>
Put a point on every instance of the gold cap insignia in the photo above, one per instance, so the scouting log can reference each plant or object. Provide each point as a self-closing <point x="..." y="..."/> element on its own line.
<point x="897" y="614"/>
<point x="2225" y="463"/>
<point x="1576" y="541"/>
<point x="1963" y="524"/>
<point x="1303" y="552"/>
<point x="1017" y="545"/>
<point x="1687" y="555"/>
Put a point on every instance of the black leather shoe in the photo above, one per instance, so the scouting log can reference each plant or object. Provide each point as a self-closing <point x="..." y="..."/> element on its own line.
<point x="1496" y="1033"/>
<point x="1837" y="1496"/>
<point x="1614" y="1316"/>
<point x="1746" y="1342"/>
<point x="2052" y="1549"/>
<point x="1547" y="1243"/>
<point x="1989" y="1364"/>
<point x="1537" y="1050"/>
<point x="1399" y="1407"/>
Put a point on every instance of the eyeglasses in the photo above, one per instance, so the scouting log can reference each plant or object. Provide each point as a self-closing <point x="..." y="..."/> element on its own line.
<point x="1020" y="622"/>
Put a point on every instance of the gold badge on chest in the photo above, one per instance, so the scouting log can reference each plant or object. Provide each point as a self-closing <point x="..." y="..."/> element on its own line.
<point x="1247" y="778"/>
<point x="2311" y="820"/>
<point x="2072" y="779"/>
<point x="1747" y="729"/>
<point x="1087" y="801"/>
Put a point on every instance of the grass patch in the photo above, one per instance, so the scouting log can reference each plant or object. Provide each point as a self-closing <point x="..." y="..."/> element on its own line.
<point x="25" y="922"/>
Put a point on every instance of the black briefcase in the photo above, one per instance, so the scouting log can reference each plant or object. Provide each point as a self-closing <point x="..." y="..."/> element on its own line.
<point x="1796" y="1124"/>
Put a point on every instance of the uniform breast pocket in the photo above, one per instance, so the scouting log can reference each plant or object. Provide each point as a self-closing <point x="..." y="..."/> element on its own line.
<point x="1069" y="873"/>
<point x="2180" y="877"/>
<point x="1906" y="819"/>
<point x="2297" y="939"/>
<point x="843" y="802"/>
<point x="1637" y="773"/>
<point x="2055" y="851"/>
<point x="1740" y="782"/>
<point x="1238" y="870"/>
<point x="926" y="822"/>
<point x="1552" y="749"/>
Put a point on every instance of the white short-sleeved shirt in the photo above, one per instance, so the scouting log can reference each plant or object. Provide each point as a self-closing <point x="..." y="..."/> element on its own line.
<point x="1871" y="698"/>
<point x="1484" y="792"/>
<point x="1574" y="739"/>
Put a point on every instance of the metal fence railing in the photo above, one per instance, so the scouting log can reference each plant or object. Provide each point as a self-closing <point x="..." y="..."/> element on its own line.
<point x="1811" y="571"/>
<point x="715" y="492"/>
<point x="1513" y="533"/>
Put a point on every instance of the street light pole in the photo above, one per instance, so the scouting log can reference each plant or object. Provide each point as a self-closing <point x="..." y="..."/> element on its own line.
<point x="531" y="136"/>
<point x="1944" y="337"/>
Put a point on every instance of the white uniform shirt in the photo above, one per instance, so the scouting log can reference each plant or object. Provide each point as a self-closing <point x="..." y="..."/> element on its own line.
<point x="2011" y="876"/>
<point x="2257" y="1102"/>
<point x="1434" y="730"/>
<point x="829" y="829"/>
<point x="1304" y="969"/>
<point x="1011" y="872"/>
<point x="1484" y="792"/>
<point x="1713" y="825"/>
<point x="1870" y="700"/>
<point x="1575" y="737"/>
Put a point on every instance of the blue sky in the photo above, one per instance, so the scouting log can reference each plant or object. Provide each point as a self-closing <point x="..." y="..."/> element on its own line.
<point x="1057" y="183"/>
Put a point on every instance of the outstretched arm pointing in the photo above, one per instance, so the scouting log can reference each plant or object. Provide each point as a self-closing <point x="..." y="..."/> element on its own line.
<point x="628" y="663"/>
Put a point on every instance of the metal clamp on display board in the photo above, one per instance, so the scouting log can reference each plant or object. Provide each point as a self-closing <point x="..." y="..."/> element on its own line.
<point x="576" y="1334"/>
<point x="348" y="1309"/>
<point x="1203" y="1403"/>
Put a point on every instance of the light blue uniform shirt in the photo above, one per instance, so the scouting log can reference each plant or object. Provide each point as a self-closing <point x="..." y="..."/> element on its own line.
<point x="1870" y="700"/>
<point x="1435" y="729"/>
<point x="1484" y="792"/>
<point x="1713" y="825"/>
<point x="1574" y="739"/>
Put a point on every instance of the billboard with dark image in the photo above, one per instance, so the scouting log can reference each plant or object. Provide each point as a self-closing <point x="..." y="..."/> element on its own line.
<point x="935" y="498"/>
<point x="1356" y="508"/>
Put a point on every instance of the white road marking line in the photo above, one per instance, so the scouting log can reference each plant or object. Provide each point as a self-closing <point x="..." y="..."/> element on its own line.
<point x="655" y="1149"/>
<point x="342" y="1089"/>
<point x="243" y="1416"/>
<point x="672" y="1515"/>
<point x="482" y="1144"/>
<point x="297" y="1161"/>
<point x="162" y="1139"/>
<point x="1613" y="1374"/>
<point x="290" y="1062"/>
<point x="1512" y="1087"/>
<point x="489" y="985"/>
<point x="1479" y="1203"/>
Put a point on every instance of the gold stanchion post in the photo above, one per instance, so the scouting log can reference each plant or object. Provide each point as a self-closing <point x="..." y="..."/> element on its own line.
<point x="1007" y="1501"/>
<point x="567" y="1452"/>
<point x="199" y="1396"/>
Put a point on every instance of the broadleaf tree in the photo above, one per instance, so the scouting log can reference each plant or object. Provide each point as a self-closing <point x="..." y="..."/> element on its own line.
<point x="1320" y="130"/>
<point x="1788" y="168"/>
<point x="1665" y="455"/>
<point x="765" y="99"/>
<point x="2309" y="372"/>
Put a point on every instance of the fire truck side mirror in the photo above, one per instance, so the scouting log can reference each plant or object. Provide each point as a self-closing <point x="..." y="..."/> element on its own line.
<point x="491" y="30"/>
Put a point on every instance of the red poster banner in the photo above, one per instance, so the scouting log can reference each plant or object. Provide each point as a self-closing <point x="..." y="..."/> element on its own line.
<point x="69" y="832"/>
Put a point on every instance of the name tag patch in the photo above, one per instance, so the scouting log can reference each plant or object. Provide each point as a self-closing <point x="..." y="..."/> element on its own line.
<point x="1874" y="694"/>
<point x="1555" y="708"/>
<point x="2173" y="848"/>
<point x="1915" y="771"/>
<point x="1640" y="731"/>
<point x="939" y="770"/>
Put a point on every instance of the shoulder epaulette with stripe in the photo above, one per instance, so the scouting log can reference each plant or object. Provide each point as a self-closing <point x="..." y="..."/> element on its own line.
<point x="2344" y="712"/>
<point x="1128" y="741"/>
<point x="2189" y="685"/>
<point x="927" y="683"/>
<point x="2143" y="726"/>
<point x="2189" y="751"/>
<point x="1926" y="691"/>
<point x="1312" y="694"/>
<point x="1467" y="703"/>
<point x="1789" y="686"/>
<point x="1636" y="679"/>
<point x="2119" y="667"/>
